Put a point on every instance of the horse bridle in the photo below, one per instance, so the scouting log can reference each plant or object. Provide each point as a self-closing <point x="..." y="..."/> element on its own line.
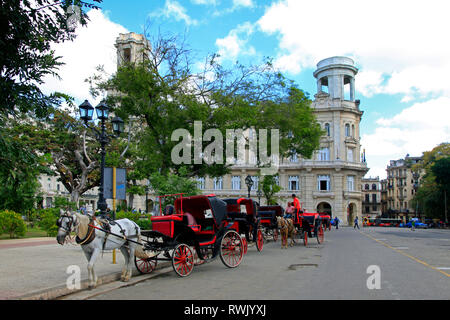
<point x="68" y="228"/>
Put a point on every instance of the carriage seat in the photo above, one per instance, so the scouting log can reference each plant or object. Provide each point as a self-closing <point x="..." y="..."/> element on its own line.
<point x="195" y="226"/>
<point x="172" y="217"/>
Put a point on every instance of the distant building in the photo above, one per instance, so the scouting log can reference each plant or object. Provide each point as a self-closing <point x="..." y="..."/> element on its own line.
<point x="371" y="201"/>
<point x="401" y="187"/>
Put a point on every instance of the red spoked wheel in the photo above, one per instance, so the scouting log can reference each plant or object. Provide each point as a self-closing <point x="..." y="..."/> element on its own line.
<point x="245" y="244"/>
<point x="320" y="236"/>
<point x="305" y="238"/>
<point x="231" y="249"/>
<point x="275" y="235"/>
<point x="259" y="240"/>
<point x="145" y="266"/>
<point x="183" y="260"/>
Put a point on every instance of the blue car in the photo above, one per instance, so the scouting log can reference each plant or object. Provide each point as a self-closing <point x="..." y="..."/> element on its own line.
<point x="418" y="225"/>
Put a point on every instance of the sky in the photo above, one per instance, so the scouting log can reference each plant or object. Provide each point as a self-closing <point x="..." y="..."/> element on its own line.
<point x="401" y="49"/>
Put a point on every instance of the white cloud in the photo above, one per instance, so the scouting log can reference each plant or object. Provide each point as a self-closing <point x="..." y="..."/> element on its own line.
<point x="235" y="43"/>
<point x="403" y="41"/>
<point x="243" y="3"/>
<point x="205" y="2"/>
<point x="173" y="9"/>
<point x="414" y="130"/>
<point x="93" y="46"/>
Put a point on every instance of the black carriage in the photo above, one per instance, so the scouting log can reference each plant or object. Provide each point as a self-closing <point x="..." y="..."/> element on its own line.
<point x="309" y="225"/>
<point x="243" y="218"/>
<point x="268" y="218"/>
<point x="198" y="231"/>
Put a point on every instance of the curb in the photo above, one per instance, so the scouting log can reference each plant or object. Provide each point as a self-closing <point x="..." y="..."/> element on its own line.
<point x="55" y="293"/>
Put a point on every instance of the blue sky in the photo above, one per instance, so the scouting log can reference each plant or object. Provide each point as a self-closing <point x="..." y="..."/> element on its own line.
<point x="401" y="49"/>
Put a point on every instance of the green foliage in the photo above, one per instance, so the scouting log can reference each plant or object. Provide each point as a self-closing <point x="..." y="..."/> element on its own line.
<point x="143" y="221"/>
<point x="434" y="185"/>
<point x="64" y="203"/>
<point x="12" y="224"/>
<point x="47" y="220"/>
<point x="173" y="184"/>
<point x="270" y="188"/>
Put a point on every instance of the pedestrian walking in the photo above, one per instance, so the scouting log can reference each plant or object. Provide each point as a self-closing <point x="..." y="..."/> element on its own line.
<point x="356" y="223"/>
<point x="413" y="225"/>
<point x="336" y="222"/>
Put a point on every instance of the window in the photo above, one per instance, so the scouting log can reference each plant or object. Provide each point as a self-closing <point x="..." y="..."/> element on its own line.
<point x="293" y="183"/>
<point x="366" y="187"/>
<point x="327" y="129"/>
<point x="367" y="198"/>
<point x="374" y="186"/>
<point x="324" y="154"/>
<point x="277" y="180"/>
<point x="323" y="183"/>
<point x="255" y="183"/>
<point x="127" y="55"/>
<point x="350" y="154"/>
<point x="353" y="130"/>
<point x="367" y="209"/>
<point x="218" y="183"/>
<point x="347" y="130"/>
<point x="236" y="182"/>
<point x="374" y="198"/>
<point x="294" y="157"/>
<point x="201" y="183"/>
<point x="351" y="183"/>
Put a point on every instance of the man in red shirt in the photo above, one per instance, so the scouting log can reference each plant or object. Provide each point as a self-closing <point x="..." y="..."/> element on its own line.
<point x="297" y="205"/>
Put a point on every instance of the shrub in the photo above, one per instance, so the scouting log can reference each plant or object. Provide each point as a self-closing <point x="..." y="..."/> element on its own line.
<point x="144" y="224"/>
<point x="48" y="219"/>
<point x="12" y="223"/>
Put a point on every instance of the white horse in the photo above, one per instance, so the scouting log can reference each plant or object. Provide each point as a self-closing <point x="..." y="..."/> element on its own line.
<point x="93" y="241"/>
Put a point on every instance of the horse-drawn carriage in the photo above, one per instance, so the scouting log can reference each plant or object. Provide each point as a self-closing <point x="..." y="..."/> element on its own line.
<point x="309" y="225"/>
<point x="269" y="223"/>
<point x="199" y="230"/>
<point x="243" y="218"/>
<point x="326" y="221"/>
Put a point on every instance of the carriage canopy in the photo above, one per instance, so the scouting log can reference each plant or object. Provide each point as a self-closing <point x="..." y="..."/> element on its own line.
<point x="199" y="206"/>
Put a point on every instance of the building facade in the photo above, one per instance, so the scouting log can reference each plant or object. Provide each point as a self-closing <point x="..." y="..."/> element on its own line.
<point x="371" y="197"/>
<point x="402" y="184"/>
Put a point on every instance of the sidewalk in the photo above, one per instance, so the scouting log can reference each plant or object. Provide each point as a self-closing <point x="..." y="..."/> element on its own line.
<point x="35" y="268"/>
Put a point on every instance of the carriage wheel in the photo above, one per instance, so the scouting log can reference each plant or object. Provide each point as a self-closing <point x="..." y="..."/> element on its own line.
<point x="259" y="240"/>
<point x="244" y="243"/>
<point x="231" y="249"/>
<point x="145" y="265"/>
<point x="320" y="235"/>
<point x="305" y="238"/>
<point x="183" y="260"/>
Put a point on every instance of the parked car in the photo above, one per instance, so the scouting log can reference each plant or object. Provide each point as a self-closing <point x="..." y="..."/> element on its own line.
<point x="418" y="225"/>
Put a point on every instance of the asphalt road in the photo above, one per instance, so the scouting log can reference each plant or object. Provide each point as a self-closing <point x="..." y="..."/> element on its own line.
<point x="367" y="264"/>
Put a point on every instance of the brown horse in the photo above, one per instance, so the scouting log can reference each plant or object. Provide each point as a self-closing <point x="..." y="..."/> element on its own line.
<point x="287" y="229"/>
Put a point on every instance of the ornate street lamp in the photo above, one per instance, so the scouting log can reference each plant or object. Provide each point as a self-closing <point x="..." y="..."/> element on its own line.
<point x="249" y="183"/>
<point x="102" y="110"/>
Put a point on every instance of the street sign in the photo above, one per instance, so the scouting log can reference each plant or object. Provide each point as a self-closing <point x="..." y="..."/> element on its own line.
<point x="121" y="180"/>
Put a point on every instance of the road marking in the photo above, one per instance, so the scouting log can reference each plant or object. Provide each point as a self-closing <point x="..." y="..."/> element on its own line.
<point x="407" y="255"/>
<point x="443" y="268"/>
<point x="401" y="248"/>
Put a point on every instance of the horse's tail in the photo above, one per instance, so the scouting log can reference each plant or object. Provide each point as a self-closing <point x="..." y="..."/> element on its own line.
<point x="139" y="252"/>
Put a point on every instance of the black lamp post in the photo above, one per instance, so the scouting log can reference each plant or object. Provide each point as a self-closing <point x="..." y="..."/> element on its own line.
<point x="249" y="183"/>
<point x="102" y="110"/>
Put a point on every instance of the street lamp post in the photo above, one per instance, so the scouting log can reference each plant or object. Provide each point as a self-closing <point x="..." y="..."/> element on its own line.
<point x="249" y="183"/>
<point x="102" y="110"/>
<point x="259" y="194"/>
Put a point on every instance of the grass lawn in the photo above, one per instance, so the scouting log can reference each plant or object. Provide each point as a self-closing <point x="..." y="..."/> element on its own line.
<point x="34" y="232"/>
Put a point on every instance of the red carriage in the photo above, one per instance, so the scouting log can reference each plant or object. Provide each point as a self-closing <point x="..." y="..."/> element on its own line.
<point x="326" y="221"/>
<point x="243" y="218"/>
<point x="309" y="225"/>
<point x="199" y="230"/>
<point x="268" y="218"/>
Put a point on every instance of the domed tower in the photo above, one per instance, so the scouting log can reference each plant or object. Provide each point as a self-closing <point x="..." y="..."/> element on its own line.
<point x="336" y="170"/>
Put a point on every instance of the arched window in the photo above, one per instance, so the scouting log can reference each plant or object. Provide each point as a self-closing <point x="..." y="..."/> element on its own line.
<point x="353" y="131"/>
<point x="374" y="186"/>
<point x="347" y="130"/>
<point x="366" y="187"/>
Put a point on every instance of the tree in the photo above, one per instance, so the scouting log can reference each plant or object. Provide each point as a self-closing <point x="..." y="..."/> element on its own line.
<point x="28" y="30"/>
<point x="270" y="188"/>
<point x="163" y="94"/>
<point x="430" y="197"/>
